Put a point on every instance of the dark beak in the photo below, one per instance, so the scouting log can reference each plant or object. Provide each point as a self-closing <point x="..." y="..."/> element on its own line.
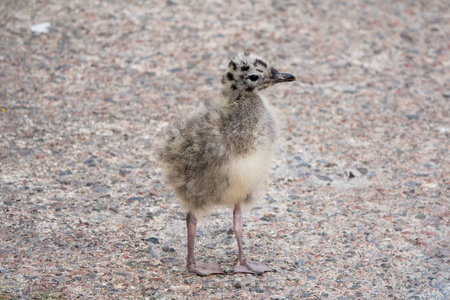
<point x="283" y="77"/>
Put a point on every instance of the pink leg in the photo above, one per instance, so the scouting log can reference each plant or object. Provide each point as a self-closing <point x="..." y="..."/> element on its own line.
<point x="243" y="265"/>
<point x="213" y="268"/>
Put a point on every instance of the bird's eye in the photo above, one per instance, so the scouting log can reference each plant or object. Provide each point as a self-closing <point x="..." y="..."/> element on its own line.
<point x="253" y="77"/>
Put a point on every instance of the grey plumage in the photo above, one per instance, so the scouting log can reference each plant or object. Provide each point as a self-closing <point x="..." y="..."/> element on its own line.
<point x="198" y="156"/>
<point x="220" y="153"/>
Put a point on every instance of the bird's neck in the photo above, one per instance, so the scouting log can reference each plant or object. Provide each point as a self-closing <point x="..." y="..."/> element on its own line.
<point x="232" y="96"/>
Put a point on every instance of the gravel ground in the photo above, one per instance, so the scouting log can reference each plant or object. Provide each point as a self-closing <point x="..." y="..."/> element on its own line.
<point x="356" y="205"/>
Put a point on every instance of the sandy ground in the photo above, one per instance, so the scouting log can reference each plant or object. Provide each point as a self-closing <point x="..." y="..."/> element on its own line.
<point x="356" y="205"/>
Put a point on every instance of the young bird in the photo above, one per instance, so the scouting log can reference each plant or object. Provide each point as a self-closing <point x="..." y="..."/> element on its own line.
<point x="221" y="153"/>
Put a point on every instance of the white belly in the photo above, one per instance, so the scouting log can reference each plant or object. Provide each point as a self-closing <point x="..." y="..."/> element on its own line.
<point x="245" y="174"/>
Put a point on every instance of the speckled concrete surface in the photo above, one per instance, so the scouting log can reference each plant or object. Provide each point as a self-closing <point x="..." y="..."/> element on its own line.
<point x="357" y="203"/>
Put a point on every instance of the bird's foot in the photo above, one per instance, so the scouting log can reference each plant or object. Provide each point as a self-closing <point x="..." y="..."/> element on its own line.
<point x="246" y="266"/>
<point x="205" y="270"/>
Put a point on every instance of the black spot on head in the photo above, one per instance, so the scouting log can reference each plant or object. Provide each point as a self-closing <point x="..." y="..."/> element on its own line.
<point x="260" y="62"/>
<point x="274" y="72"/>
<point x="230" y="76"/>
<point x="233" y="65"/>
<point x="249" y="89"/>
<point x="245" y="68"/>
<point x="261" y="71"/>
<point x="233" y="87"/>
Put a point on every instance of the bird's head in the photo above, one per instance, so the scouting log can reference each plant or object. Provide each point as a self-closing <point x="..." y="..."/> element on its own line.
<point x="247" y="73"/>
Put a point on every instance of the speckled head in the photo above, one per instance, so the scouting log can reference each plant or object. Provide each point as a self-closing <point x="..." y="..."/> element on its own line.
<point x="247" y="73"/>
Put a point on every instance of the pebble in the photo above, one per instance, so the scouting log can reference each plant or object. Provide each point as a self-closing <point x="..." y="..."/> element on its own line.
<point x="168" y="249"/>
<point x="421" y="216"/>
<point x="41" y="27"/>
<point x="363" y="171"/>
<point x="90" y="162"/>
<point x="175" y="70"/>
<point x="153" y="240"/>
<point x="412" y="117"/>
<point x="132" y="199"/>
<point x="124" y="172"/>
<point x="65" y="173"/>
<point x="350" y="89"/>
<point x="324" y="178"/>
<point x="211" y="246"/>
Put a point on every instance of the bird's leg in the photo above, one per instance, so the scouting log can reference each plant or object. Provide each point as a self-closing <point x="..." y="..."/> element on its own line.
<point x="243" y="265"/>
<point x="213" y="268"/>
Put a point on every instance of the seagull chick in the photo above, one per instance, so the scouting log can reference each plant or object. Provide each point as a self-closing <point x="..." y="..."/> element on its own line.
<point x="220" y="154"/>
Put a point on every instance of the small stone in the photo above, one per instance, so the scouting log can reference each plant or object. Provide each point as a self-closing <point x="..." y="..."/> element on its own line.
<point x="412" y="117"/>
<point x="298" y="158"/>
<point x="268" y="218"/>
<point x="139" y="199"/>
<point x="363" y="171"/>
<point x="175" y="70"/>
<point x="446" y="94"/>
<point x="420" y="216"/>
<point x="41" y="27"/>
<point x="228" y="241"/>
<point x="90" y="162"/>
<point x="168" y="260"/>
<point x="330" y="165"/>
<point x="398" y="228"/>
<point x="124" y="172"/>
<point x="407" y="37"/>
<point x="153" y="240"/>
<point x="349" y="89"/>
<point x="168" y="249"/>
<point x="324" y="178"/>
<point x="211" y="246"/>
<point x="7" y="202"/>
<point x="303" y="164"/>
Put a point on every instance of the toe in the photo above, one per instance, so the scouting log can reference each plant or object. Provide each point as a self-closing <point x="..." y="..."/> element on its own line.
<point x="251" y="267"/>
<point x="206" y="270"/>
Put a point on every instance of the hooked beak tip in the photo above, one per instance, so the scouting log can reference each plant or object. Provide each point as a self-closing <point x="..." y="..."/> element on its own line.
<point x="285" y="77"/>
